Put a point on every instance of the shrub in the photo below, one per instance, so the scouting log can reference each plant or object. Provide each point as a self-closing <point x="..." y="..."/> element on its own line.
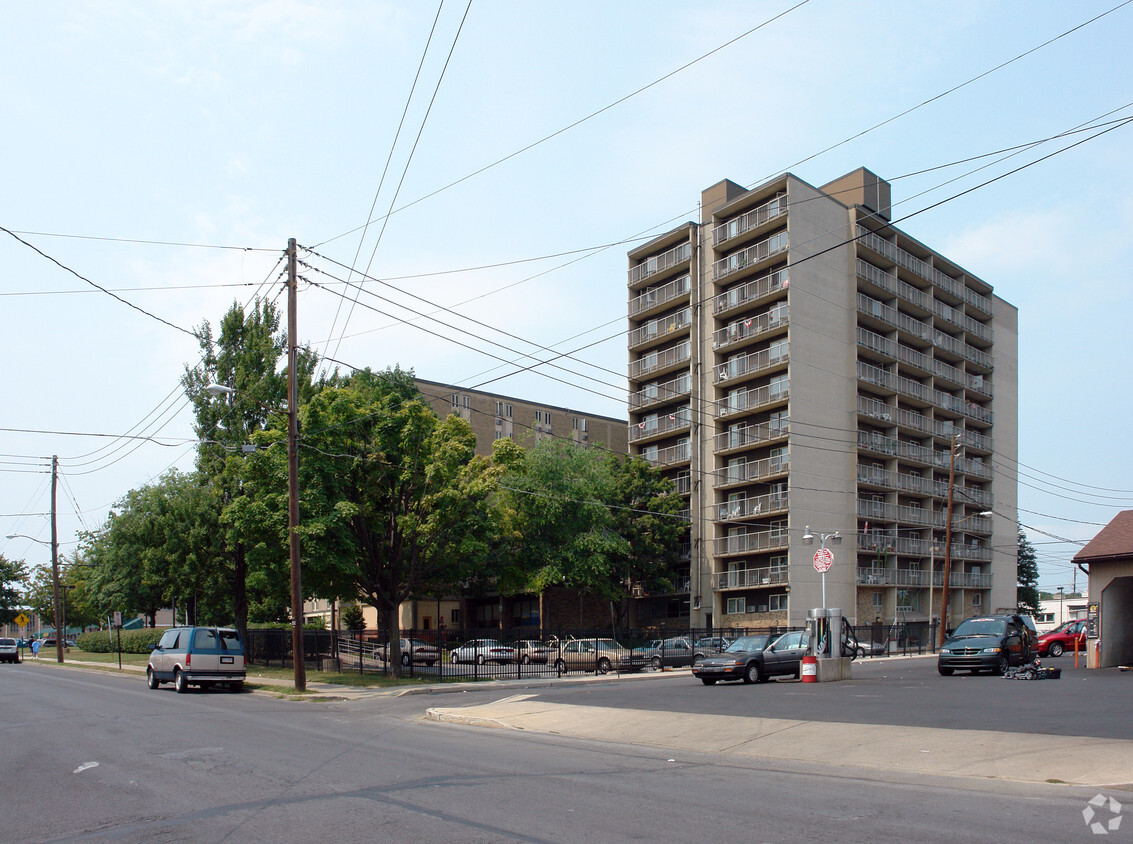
<point x="106" y="641"/>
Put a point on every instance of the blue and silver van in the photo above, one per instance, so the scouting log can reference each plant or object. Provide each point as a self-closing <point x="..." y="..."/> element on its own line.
<point x="197" y="656"/>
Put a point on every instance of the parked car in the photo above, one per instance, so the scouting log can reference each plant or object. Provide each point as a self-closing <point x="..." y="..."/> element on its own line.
<point x="712" y="644"/>
<point x="1062" y="638"/>
<point x="598" y="655"/>
<point x="669" y="653"/>
<point x="412" y="650"/>
<point x="986" y="643"/>
<point x="532" y="650"/>
<point x="9" y="650"/>
<point x="197" y="656"/>
<point x="755" y="659"/>
<point x="483" y="650"/>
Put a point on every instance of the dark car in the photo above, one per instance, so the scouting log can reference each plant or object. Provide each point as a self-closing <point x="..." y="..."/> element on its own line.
<point x="986" y="643"/>
<point x="669" y="653"/>
<point x="1063" y="638"/>
<point x="754" y="659"/>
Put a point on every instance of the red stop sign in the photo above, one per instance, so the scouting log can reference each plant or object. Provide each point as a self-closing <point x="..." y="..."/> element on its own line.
<point x="823" y="559"/>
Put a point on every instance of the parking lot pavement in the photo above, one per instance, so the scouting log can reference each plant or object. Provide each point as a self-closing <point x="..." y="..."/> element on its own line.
<point x="1021" y="756"/>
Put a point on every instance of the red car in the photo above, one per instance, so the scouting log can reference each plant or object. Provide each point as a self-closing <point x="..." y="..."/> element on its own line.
<point x="1061" y="639"/>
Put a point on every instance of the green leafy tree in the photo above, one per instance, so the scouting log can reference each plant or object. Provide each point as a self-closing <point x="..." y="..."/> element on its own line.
<point x="351" y="617"/>
<point x="1027" y="577"/>
<point x="248" y="359"/>
<point x="13" y="576"/>
<point x="394" y="499"/>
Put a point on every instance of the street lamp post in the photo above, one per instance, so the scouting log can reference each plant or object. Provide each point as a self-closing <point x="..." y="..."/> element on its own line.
<point x="834" y="538"/>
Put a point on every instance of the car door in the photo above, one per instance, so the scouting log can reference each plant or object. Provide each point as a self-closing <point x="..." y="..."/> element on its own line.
<point x="1015" y="643"/>
<point x="786" y="654"/>
<point x="206" y="652"/>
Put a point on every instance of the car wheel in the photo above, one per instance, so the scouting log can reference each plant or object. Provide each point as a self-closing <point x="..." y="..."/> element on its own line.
<point x="405" y="660"/>
<point x="452" y="658"/>
<point x="1055" y="649"/>
<point x="179" y="681"/>
<point x="752" y="672"/>
<point x="479" y="659"/>
<point x="1002" y="666"/>
<point x="708" y="681"/>
<point x="560" y="666"/>
<point x="945" y="672"/>
<point x="697" y="658"/>
<point x="525" y="659"/>
<point x="604" y="666"/>
<point x="151" y="679"/>
<point x="429" y="662"/>
<point x="656" y="663"/>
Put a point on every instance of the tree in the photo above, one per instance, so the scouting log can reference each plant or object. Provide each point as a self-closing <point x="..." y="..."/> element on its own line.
<point x="244" y="359"/>
<point x="351" y="617"/>
<point x="1027" y="590"/>
<point x="13" y="575"/>
<point x="394" y="500"/>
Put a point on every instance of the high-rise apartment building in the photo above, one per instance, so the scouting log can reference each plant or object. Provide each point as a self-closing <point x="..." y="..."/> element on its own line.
<point x="800" y="367"/>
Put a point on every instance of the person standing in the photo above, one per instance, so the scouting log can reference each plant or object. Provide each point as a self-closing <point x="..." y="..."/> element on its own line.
<point x="35" y="648"/>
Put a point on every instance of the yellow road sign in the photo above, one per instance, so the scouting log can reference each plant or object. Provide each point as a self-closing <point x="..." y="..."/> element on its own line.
<point x="21" y="620"/>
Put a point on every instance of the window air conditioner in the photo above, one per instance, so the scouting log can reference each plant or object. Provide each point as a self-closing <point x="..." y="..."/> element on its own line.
<point x="761" y="608"/>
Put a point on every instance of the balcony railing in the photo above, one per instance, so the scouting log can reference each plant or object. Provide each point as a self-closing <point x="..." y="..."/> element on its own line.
<point x="748" y="578"/>
<point x="753" y="290"/>
<point x="659" y="263"/>
<point x="743" y="543"/>
<point x="743" y="400"/>
<point x="758" y="505"/>
<point x="659" y="425"/>
<point x="742" y="329"/>
<point x="752" y="434"/>
<point x="752" y="363"/>
<point x="753" y="470"/>
<point x="654" y="394"/>
<point x="659" y="296"/>
<point x="672" y="455"/>
<point x="777" y="244"/>
<point x="916" y="578"/>
<point x="657" y="361"/>
<point x="656" y="329"/>
<point x="749" y="220"/>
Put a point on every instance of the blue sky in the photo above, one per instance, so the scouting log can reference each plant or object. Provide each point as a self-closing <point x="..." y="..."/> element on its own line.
<point x="141" y="137"/>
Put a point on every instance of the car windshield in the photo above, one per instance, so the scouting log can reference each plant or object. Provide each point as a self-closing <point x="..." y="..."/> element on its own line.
<point x="750" y="643"/>
<point x="979" y="627"/>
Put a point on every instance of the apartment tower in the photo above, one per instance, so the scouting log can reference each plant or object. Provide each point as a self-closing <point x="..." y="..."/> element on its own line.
<point x="801" y="367"/>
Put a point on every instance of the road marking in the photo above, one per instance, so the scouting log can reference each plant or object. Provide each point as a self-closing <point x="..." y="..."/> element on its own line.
<point x="84" y="766"/>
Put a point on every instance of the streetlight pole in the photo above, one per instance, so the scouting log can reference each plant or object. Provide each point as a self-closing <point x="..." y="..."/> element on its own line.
<point x="834" y="538"/>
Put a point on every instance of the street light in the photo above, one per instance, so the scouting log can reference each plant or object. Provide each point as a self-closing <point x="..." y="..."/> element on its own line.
<point x="946" y="590"/>
<point x="834" y="538"/>
<point x="54" y="546"/>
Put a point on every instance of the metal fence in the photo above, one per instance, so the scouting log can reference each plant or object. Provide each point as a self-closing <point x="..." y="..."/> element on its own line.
<point x="493" y="653"/>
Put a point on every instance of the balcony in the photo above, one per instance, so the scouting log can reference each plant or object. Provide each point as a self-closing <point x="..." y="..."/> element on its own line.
<point x="657" y="297"/>
<point x="659" y="426"/>
<point x="744" y="331"/>
<point x="877" y="277"/>
<point x="746" y="543"/>
<point x="758" y="505"/>
<point x="916" y="578"/>
<point x="753" y="219"/>
<point x="673" y="455"/>
<point x="752" y="364"/>
<point x="659" y="330"/>
<point x="752" y="434"/>
<point x="746" y="400"/>
<point x="763" y="469"/>
<point x="655" y="394"/>
<point x="873" y="341"/>
<point x="750" y="292"/>
<point x="751" y="257"/>
<point x="657" y="362"/>
<point x="658" y="264"/>
<point x="748" y="578"/>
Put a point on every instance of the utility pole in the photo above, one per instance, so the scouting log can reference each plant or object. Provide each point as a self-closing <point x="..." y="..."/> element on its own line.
<point x="59" y="633"/>
<point x="948" y="544"/>
<point x="293" y="472"/>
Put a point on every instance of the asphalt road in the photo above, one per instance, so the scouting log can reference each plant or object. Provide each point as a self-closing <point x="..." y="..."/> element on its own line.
<point x="94" y="757"/>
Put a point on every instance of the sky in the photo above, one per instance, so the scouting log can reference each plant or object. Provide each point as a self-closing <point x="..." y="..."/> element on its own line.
<point x="498" y="159"/>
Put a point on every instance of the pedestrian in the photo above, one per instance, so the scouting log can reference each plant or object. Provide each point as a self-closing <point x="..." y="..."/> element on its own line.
<point x="35" y="648"/>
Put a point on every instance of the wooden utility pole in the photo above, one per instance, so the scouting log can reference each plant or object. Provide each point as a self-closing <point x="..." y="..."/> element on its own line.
<point x="948" y="543"/>
<point x="297" y="652"/>
<point x="59" y="633"/>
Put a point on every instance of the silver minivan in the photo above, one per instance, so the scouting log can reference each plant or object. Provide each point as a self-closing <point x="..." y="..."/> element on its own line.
<point x="197" y="656"/>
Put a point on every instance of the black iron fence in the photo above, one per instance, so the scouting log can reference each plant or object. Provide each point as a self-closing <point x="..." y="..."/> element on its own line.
<point x="525" y="652"/>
